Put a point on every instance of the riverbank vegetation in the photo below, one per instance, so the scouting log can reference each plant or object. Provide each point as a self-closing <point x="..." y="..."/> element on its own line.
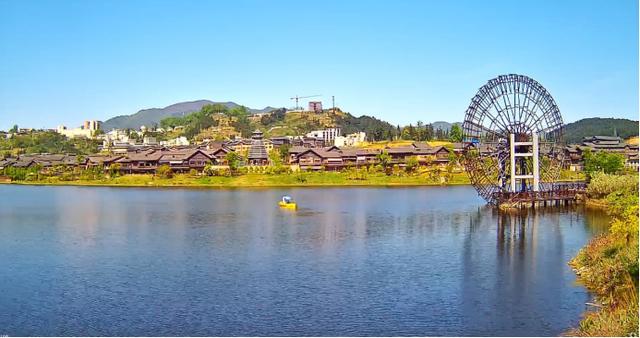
<point x="224" y="177"/>
<point x="608" y="265"/>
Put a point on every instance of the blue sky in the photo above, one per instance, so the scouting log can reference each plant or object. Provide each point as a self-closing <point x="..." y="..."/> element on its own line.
<point x="62" y="62"/>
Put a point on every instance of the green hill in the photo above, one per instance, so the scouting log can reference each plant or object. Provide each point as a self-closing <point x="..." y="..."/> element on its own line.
<point x="218" y="121"/>
<point x="281" y="123"/>
<point x="574" y="132"/>
<point x="153" y="116"/>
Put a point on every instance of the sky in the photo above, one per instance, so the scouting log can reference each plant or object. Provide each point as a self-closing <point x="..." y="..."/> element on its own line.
<point x="63" y="62"/>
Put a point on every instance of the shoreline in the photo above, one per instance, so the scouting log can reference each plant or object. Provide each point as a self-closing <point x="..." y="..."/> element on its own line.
<point x="231" y="187"/>
<point x="250" y="181"/>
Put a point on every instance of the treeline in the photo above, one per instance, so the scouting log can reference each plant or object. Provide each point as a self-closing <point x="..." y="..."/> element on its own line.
<point x="426" y="132"/>
<point x="378" y="130"/>
<point x="46" y="142"/>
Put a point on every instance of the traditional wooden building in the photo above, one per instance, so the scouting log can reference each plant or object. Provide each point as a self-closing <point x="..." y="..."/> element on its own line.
<point x="317" y="158"/>
<point x="257" y="153"/>
<point x="185" y="160"/>
<point x="144" y="162"/>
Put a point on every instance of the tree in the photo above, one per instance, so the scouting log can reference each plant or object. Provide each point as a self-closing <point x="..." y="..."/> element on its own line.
<point x="411" y="164"/>
<point x="164" y="171"/>
<point x="412" y="132"/>
<point x="609" y="163"/>
<point x="455" y="134"/>
<point x="276" y="160"/>
<point x="419" y="133"/>
<point x="385" y="161"/>
<point x="429" y="132"/>
<point x="233" y="161"/>
<point x="284" y="152"/>
<point x="14" y="129"/>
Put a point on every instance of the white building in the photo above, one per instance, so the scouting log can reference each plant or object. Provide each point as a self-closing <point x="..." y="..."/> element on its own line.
<point x="351" y="140"/>
<point x="328" y="135"/>
<point x="178" y="141"/>
<point x="87" y="130"/>
<point x="149" y="141"/>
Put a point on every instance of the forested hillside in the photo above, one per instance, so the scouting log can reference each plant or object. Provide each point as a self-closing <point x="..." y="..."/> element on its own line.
<point x="46" y="142"/>
<point x="576" y="131"/>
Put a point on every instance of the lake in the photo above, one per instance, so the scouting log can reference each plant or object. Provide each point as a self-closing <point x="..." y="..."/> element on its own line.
<point x="351" y="261"/>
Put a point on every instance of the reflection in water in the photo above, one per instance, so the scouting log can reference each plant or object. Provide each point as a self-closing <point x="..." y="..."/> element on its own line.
<point x="526" y="263"/>
<point x="360" y="261"/>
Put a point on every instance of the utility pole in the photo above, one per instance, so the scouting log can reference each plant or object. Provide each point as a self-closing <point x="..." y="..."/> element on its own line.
<point x="333" y="103"/>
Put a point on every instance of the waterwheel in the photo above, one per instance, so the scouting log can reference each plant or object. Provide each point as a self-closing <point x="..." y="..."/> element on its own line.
<point x="513" y="135"/>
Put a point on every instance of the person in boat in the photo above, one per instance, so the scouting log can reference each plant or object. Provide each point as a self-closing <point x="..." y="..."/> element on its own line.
<point x="287" y="199"/>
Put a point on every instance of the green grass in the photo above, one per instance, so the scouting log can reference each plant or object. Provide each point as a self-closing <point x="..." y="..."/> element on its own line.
<point x="260" y="180"/>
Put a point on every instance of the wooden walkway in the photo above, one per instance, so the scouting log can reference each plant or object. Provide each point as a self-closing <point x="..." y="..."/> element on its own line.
<point x="561" y="193"/>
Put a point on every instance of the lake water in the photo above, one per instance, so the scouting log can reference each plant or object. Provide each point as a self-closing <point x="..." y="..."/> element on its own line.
<point x="350" y="261"/>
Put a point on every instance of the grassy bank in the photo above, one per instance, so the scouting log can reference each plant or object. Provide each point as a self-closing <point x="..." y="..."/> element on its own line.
<point x="608" y="265"/>
<point x="260" y="180"/>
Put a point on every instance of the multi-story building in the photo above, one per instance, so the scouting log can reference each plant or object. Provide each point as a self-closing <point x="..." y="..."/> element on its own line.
<point x="315" y="106"/>
<point x="328" y="135"/>
<point x="91" y="125"/>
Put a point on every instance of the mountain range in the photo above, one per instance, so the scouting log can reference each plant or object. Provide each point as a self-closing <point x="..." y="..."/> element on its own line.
<point x="152" y="116"/>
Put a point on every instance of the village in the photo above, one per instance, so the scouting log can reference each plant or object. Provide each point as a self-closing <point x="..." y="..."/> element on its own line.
<point x="321" y="150"/>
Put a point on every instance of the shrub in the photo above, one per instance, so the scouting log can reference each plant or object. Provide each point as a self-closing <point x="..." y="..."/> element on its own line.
<point x="114" y="169"/>
<point x="601" y="184"/>
<point x="66" y="176"/>
<point x="624" y="209"/>
<point x="359" y="174"/>
<point x="164" y="171"/>
<point x="412" y="164"/>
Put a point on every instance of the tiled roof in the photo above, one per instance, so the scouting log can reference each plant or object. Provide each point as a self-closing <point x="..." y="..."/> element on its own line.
<point x="103" y="158"/>
<point x="322" y="153"/>
<point x="401" y="150"/>
<point x="180" y="155"/>
<point x="297" y="149"/>
<point x="602" y="138"/>
<point x="365" y="152"/>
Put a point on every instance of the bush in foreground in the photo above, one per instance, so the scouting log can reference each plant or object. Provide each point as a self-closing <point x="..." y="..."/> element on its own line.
<point x="608" y="265"/>
<point x="164" y="171"/>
